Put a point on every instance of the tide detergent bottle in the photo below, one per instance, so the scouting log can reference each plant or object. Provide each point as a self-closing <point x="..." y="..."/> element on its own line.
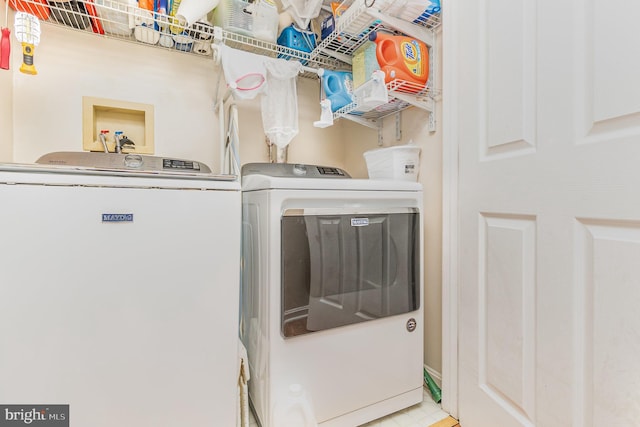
<point x="403" y="58"/>
<point x="338" y="88"/>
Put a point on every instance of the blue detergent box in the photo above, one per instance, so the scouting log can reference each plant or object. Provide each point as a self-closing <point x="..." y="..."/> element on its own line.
<point x="327" y="27"/>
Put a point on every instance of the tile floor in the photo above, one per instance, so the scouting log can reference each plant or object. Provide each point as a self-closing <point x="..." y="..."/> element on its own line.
<point x="422" y="415"/>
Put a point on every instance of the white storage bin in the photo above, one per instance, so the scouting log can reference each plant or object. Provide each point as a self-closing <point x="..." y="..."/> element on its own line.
<point x="258" y="19"/>
<point x="401" y="162"/>
<point x="234" y="16"/>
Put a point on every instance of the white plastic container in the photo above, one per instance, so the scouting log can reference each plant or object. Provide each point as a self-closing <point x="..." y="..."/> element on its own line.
<point x="265" y="20"/>
<point x="258" y="19"/>
<point x="115" y="16"/>
<point x="294" y="410"/>
<point x="234" y="16"/>
<point x="400" y="162"/>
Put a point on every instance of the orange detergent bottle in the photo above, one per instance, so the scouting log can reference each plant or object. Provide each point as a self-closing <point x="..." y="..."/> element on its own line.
<point x="402" y="58"/>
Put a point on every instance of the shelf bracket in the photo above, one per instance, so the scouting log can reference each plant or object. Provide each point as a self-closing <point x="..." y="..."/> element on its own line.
<point x="432" y="121"/>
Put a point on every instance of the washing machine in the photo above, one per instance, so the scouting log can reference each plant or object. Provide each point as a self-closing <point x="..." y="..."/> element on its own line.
<point x="332" y="286"/>
<point x="119" y="292"/>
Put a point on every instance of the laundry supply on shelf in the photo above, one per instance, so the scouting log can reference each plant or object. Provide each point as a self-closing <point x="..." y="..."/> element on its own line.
<point x="116" y="22"/>
<point x="190" y="11"/>
<point x="337" y="87"/>
<point x="402" y="57"/>
<point x="265" y="20"/>
<point x="295" y="38"/>
<point x="258" y="19"/>
<point x="364" y="63"/>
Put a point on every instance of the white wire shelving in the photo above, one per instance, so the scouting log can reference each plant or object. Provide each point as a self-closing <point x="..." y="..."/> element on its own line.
<point x="119" y="20"/>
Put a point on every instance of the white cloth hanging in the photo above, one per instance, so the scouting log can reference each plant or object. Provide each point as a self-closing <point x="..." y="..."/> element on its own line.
<point x="244" y="72"/>
<point x="280" y="101"/>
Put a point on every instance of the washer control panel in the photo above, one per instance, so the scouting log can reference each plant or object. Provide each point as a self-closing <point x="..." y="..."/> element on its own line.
<point x="180" y="165"/>
<point x="293" y="170"/>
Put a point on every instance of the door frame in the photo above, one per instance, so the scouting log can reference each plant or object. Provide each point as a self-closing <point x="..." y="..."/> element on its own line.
<point x="450" y="222"/>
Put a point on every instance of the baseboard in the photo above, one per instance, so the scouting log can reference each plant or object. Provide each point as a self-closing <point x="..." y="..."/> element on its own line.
<point x="435" y="375"/>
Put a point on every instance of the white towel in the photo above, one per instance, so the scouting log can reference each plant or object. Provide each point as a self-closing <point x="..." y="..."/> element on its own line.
<point x="244" y="72"/>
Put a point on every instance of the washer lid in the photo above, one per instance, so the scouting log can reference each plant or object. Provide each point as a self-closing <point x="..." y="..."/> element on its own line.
<point x="123" y="162"/>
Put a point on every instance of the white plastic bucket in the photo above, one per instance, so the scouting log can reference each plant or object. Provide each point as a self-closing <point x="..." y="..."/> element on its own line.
<point x="400" y="162"/>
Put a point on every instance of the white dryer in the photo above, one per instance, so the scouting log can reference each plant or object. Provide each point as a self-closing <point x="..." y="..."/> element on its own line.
<point x="331" y="292"/>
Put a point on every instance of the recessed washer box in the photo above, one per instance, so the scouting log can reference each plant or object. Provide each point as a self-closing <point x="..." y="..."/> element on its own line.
<point x="134" y="119"/>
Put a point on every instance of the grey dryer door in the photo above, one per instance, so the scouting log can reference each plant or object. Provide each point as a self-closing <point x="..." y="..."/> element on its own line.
<point x="340" y="269"/>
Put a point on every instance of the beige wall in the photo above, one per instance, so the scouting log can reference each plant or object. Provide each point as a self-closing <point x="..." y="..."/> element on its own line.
<point x="48" y="106"/>
<point x="44" y="115"/>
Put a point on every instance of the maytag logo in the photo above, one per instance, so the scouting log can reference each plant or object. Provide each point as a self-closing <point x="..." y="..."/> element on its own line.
<point x="359" y="222"/>
<point x="36" y="415"/>
<point x="109" y="217"/>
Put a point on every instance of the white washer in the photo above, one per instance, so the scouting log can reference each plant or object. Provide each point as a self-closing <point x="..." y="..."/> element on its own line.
<point x="119" y="292"/>
<point x="332" y="293"/>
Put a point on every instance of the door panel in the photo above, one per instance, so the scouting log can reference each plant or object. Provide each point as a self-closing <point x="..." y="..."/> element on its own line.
<point x="548" y="120"/>
<point x="607" y="254"/>
<point x="506" y="78"/>
<point x="507" y="308"/>
<point x="607" y="98"/>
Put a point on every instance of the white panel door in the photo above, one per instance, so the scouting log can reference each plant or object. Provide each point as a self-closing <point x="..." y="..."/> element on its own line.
<point x="547" y="121"/>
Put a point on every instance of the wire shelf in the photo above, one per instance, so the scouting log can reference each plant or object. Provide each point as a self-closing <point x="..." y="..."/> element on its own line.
<point x="119" y="20"/>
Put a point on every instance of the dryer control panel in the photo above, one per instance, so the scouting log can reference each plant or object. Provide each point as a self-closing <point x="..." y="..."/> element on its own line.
<point x="293" y="170"/>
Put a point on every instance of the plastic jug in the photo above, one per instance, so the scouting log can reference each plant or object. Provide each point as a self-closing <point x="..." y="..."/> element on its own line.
<point x="338" y="88"/>
<point x="294" y="411"/>
<point x="404" y="58"/>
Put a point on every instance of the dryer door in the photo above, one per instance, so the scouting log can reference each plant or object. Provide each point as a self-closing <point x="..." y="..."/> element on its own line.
<point x="340" y="269"/>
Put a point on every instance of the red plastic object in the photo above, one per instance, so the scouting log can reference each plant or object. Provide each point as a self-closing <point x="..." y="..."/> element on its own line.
<point x="96" y="25"/>
<point x="5" y="49"/>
